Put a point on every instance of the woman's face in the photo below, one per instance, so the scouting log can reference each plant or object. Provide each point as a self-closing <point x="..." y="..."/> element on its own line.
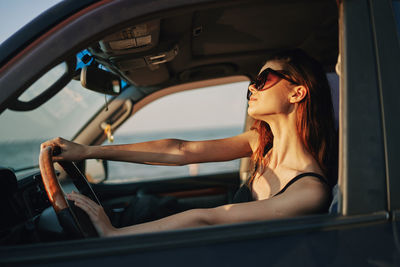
<point x="272" y="101"/>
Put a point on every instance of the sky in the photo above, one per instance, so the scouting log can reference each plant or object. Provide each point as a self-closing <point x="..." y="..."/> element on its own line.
<point x="215" y="107"/>
<point x="224" y="107"/>
<point x="16" y="13"/>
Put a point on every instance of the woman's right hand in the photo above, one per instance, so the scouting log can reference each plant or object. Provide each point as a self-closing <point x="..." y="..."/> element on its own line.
<point x="96" y="214"/>
<point x="70" y="151"/>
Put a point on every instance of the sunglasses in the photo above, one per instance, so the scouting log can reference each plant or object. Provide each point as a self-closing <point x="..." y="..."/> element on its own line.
<point x="266" y="79"/>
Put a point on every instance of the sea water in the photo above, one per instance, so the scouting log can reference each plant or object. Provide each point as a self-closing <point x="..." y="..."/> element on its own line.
<point x="24" y="155"/>
<point x="135" y="172"/>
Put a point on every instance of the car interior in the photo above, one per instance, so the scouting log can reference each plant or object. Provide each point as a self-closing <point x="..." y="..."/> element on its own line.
<point x="140" y="61"/>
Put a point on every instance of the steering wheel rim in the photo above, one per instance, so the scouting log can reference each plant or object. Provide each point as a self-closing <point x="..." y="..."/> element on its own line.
<point x="72" y="219"/>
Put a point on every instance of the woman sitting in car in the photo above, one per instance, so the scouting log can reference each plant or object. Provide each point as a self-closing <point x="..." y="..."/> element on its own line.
<point x="292" y="145"/>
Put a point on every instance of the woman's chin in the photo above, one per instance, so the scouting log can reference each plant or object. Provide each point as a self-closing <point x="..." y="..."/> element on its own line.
<point x="257" y="115"/>
<point x="249" y="112"/>
<point x="252" y="113"/>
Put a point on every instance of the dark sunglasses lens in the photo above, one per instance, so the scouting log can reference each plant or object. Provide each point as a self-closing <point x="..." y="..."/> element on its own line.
<point x="266" y="80"/>
<point x="260" y="81"/>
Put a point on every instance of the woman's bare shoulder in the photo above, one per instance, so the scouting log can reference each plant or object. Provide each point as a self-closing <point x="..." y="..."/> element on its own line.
<point x="313" y="192"/>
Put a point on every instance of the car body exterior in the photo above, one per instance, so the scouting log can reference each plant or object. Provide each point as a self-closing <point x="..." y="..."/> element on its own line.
<point x="363" y="228"/>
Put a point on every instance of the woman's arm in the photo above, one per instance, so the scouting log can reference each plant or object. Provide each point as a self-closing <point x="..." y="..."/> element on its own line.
<point x="160" y="152"/>
<point x="306" y="196"/>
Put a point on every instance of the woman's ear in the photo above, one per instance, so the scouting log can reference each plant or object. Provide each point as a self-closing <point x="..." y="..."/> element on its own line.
<point x="297" y="94"/>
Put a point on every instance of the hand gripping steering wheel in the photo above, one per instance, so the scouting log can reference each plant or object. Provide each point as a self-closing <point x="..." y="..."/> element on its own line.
<point x="73" y="220"/>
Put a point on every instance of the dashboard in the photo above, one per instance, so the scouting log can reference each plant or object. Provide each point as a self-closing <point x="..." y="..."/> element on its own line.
<point x="22" y="204"/>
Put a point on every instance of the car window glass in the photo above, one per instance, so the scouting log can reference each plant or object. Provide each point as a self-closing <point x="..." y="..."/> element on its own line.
<point x="63" y="115"/>
<point x="396" y="10"/>
<point x="42" y="84"/>
<point x="207" y="113"/>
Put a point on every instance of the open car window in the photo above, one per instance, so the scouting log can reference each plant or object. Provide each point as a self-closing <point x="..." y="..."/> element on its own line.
<point x="206" y="113"/>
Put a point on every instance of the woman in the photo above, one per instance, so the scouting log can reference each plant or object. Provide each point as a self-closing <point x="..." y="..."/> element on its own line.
<point x="291" y="144"/>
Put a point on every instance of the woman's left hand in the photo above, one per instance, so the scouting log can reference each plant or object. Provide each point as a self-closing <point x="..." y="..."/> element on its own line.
<point x="95" y="212"/>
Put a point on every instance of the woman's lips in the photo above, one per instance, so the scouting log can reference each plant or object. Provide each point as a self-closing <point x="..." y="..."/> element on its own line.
<point x="253" y="99"/>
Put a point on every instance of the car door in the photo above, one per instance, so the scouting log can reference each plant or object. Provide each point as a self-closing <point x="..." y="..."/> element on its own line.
<point x="363" y="229"/>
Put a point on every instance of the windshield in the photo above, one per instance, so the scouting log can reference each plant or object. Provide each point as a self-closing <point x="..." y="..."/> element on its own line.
<point x="63" y="115"/>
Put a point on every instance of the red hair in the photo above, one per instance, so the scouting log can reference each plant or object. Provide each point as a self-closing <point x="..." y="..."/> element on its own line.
<point x="315" y="116"/>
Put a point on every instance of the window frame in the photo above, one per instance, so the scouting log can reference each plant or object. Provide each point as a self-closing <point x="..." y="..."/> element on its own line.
<point x="387" y="47"/>
<point x="170" y="91"/>
<point x="362" y="183"/>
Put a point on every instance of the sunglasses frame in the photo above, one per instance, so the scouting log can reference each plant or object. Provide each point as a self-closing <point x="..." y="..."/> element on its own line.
<point x="265" y="73"/>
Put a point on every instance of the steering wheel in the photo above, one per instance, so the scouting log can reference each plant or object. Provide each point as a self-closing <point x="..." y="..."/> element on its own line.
<point x="73" y="220"/>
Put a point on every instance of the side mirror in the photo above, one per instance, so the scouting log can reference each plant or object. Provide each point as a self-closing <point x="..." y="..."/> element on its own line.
<point x="101" y="81"/>
<point x="96" y="170"/>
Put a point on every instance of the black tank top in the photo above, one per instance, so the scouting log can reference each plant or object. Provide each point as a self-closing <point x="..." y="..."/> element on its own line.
<point x="244" y="193"/>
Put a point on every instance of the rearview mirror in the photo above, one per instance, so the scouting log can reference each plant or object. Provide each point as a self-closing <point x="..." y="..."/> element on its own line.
<point x="100" y="80"/>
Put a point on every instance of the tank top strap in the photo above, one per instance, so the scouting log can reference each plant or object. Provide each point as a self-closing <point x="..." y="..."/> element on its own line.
<point x="298" y="177"/>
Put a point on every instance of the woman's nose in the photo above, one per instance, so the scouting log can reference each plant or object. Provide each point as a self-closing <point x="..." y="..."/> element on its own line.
<point x="251" y="90"/>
